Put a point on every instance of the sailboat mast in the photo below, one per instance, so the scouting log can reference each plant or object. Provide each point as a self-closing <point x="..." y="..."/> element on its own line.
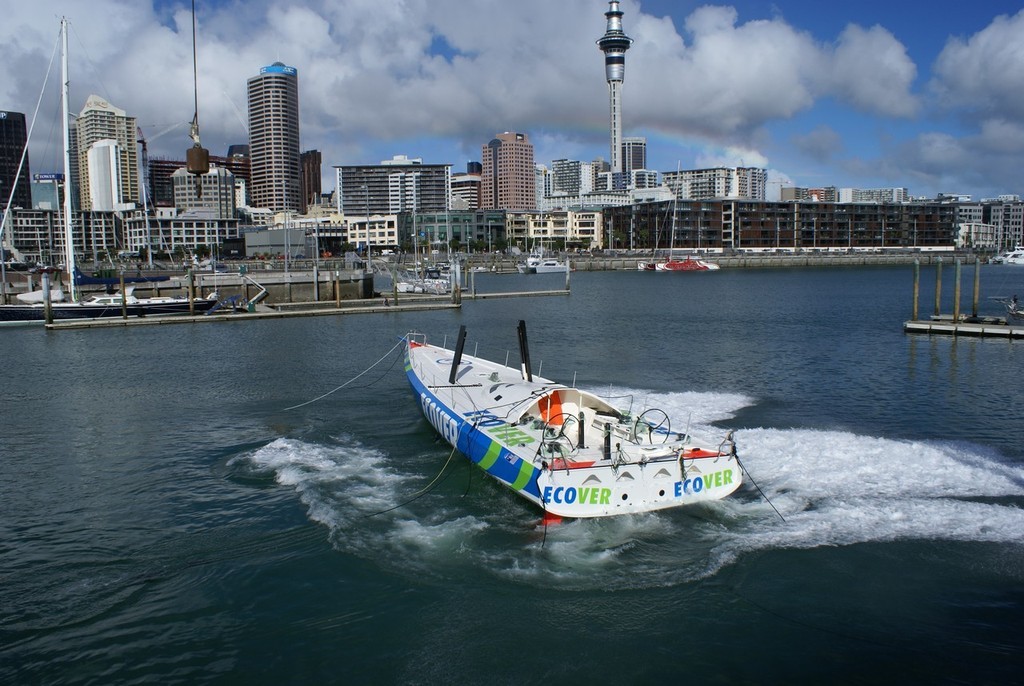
<point x="69" y="245"/>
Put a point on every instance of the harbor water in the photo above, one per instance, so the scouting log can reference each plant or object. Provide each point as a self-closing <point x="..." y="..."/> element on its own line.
<point x="263" y="502"/>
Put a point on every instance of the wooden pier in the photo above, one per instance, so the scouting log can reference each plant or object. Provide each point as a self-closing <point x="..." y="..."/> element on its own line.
<point x="958" y="323"/>
<point x="407" y="303"/>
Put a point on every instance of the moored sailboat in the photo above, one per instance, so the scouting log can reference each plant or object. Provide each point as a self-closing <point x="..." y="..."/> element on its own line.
<point x="106" y="305"/>
<point x="568" y="451"/>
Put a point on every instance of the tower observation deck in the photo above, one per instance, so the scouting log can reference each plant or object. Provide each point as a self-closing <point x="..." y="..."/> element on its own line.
<point x="614" y="44"/>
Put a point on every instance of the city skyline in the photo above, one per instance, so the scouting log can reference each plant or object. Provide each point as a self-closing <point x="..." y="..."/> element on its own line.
<point x="870" y="95"/>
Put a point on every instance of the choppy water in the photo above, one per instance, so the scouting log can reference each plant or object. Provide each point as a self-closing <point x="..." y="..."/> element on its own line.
<point x="168" y="520"/>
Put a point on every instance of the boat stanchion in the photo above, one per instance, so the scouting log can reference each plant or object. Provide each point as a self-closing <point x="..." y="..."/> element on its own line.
<point x="524" y="351"/>
<point x="458" y="354"/>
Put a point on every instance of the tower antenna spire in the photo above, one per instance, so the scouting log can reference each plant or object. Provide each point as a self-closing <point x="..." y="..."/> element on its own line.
<point x="614" y="44"/>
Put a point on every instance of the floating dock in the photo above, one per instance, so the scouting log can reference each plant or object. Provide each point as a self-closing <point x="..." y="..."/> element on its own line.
<point x="958" y="324"/>
<point x="408" y="303"/>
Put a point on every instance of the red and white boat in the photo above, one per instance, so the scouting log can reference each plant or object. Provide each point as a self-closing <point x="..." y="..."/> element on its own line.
<point x="690" y="264"/>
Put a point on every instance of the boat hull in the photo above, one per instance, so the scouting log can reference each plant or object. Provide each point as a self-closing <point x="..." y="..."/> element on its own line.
<point x="688" y="265"/>
<point x="28" y="313"/>
<point x="547" y="442"/>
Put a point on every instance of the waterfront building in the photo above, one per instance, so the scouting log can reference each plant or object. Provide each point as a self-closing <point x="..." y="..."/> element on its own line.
<point x="508" y="180"/>
<point x="556" y="230"/>
<point x="39" y="234"/>
<point x="470" y="231"/>
<point x="614" y="44"/>
<point x="1008" y="218"/>
<point x="273" y="98"/>
<point x="178" y="233"/>
<point x="107" y="155"/>
<point x="13" y="139"/>
<point x="978" y="236"/>
<point x="397" y="185"/>
<point x="735" y="225"/>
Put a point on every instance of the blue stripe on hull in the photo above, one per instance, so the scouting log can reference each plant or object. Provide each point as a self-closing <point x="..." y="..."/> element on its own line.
<point x="508" y="468"/>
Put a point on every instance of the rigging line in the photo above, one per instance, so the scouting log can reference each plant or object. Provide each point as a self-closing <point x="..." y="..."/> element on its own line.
<point x="309" y="402"/>
<point x="423" y="491"/>
<point x="195" y="68"/>
<point x="749" y="476"/>
<point x="95" y="72"/>
<point x="28" y="137"/>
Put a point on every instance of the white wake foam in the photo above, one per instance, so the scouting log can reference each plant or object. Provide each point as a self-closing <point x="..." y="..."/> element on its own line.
<point x="832" y="488"/>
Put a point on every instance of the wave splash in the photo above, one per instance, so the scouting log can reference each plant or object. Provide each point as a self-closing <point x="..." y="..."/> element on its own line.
<point x="833" y="488"/>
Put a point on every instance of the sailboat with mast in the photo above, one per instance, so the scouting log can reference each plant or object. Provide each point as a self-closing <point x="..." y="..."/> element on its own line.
<point x="689" y="263"/>
<point x="98" y="306"/>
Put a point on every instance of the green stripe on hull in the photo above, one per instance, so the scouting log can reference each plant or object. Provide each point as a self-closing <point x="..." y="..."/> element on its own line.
<point x="525" y="472"/>
<point x="491" y="456"/>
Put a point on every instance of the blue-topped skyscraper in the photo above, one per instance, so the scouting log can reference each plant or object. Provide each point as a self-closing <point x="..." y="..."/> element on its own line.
<point x="614" y="44"/>
<point x="274" y="138"/>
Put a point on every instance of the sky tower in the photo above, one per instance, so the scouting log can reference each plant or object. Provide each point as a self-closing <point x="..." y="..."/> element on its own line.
<point x="614" y="44"/>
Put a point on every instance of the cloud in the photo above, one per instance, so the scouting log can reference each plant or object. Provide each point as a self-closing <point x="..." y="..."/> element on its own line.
<point x="984" y="73"/>
<point x="871" y="70"/>
<point x="731" y="157"/>
<point x="821" y="144"/>
<point x="438" y="78"/>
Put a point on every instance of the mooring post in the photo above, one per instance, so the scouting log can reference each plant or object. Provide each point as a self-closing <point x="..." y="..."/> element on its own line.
<point x="956" y="292"/>
<point x="938" y="285"/>
<point x="977" y="286"/>
<point x="917" y="287"/>
<point x="567" y="272"/>
<point x="191" y="292"/>
<point x="124" y="298"/>
<point x="47" y="303"/>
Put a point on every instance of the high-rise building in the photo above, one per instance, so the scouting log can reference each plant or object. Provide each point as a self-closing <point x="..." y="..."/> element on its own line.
<point x="466" y="187"/>
<point x="13" y="137"/>
<point x="104" y="176"/>
<point x="634" y="154"/>
<point x="507" y="180"/>
<point x="572" y="177"/>
<point x="161" y="171"/>
<point x="214" y="191"/>
<point x="397" y="185"/>
<point x="309" y="179"/>
<point x="614" y="44"/>
<point x="718" y="182"/>
<point x="101" y="121"/>
<point x="274" y="138"/>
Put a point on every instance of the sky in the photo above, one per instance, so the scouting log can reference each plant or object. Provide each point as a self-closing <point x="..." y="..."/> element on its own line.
<point x="870" y="94"/>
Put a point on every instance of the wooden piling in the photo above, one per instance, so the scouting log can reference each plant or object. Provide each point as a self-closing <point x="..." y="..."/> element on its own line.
<point x="47" y="303"/>
<point x="124" y="297"/>
<point x="938" y="286"/>
<point x="977" y="286"/>
<point x="917" y="288"/>
<point x="956" y="290"/>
